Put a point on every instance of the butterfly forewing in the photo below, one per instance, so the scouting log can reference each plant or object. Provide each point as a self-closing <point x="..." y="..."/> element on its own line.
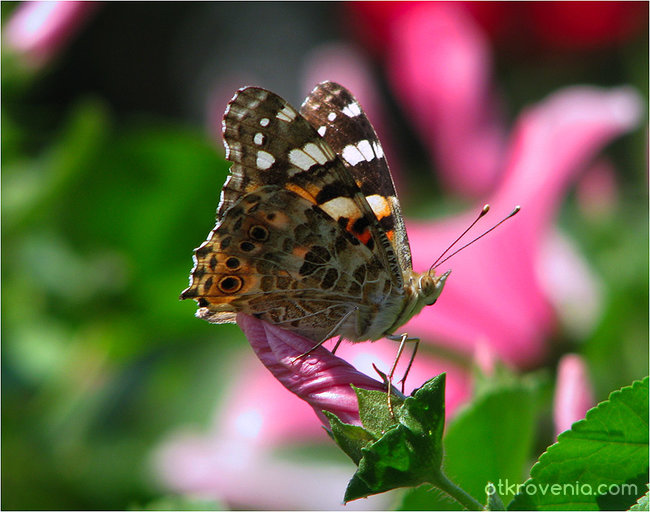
<point x="340" y="120"/>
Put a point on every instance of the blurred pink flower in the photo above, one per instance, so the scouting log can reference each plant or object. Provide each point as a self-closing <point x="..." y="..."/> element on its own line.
<point x="573" y="395"/>
<point x="496" y="294"/>
<point x="517" y="26"/>
<point x="440" y="69"/>
<point x="242" y="475"/>
<point x="38" y="31"/>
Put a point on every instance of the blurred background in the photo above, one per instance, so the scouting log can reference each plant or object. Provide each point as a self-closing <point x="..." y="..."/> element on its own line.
<point x="113" y="395"/>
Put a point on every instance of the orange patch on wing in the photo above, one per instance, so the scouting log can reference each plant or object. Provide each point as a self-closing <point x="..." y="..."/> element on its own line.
<point x="299" y="252"/>
<point x="380" y="206"/>
<point x="363" y="237"/>
<point x="301" y="192"/>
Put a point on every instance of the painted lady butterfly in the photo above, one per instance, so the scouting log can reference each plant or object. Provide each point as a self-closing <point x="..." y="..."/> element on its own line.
<point x="309" y="234"/>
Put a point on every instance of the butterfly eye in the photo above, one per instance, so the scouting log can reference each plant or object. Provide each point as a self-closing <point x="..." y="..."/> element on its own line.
<point x="230" y="284"/>
<point x="259" y="233"/>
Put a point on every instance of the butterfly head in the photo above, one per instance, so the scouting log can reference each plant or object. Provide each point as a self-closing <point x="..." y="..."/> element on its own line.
<point x="430" y="286"/>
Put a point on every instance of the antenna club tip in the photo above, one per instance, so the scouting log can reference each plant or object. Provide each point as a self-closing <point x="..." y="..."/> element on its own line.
<point x="486" y="208"/>
<point x="516" y="210"/>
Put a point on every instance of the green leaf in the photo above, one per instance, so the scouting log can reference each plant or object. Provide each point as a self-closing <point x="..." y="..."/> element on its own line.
<point x="643" y="503"/>
<point x="373" y="410"/>
<point x="600" y="464"/>
<point x="407" y="454"/>
<point x="494" y="501"/>
<point x="490" y="440"/>
<point x="351" y="438"/>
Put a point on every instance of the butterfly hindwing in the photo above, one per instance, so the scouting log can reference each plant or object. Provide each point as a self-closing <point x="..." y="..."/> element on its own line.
<point x="278" y="257"/>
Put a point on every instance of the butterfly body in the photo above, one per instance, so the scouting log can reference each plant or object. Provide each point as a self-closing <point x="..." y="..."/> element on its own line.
<point x="309" y="234"/>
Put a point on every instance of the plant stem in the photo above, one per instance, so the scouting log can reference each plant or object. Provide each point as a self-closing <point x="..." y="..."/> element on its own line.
<point x="443" y="483"/>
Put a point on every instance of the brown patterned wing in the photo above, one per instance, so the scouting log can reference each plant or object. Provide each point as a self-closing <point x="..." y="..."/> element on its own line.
<point x="338" y="117"/>
<point x="270" y="143"/>
<point x="281" y="258"/>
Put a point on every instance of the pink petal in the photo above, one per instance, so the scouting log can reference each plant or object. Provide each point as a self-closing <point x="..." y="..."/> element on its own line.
<point x="555" y="140"/>
<point x="260" y="411"/>
<point x="570" y="285"/>
<point x="440" y="68"/>
<point x="320" y="378"/>
<point x="39" y="30"/>
<point x="247" y="477"/>
<point x="573" y="395"/>
<point x="493" y="296"/>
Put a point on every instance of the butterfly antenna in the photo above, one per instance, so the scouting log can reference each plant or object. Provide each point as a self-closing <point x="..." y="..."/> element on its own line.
<point x="511" y="214"/>
<point x="484" y="210"/>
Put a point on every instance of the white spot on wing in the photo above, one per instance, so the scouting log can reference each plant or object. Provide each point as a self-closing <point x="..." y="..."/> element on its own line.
<point x="352" y="155"/>
<point x="366" y="150"/>
<point x="352" y="109"/>
<point x="376" y="146"/>
<point x="264" y="121"/>
<point x="301" y="159"/>
<point x="322" y="130"/>
<point x="359" y="152"/>
<point x="315" y="152"/>
<point x="264" y="160"/>
<point x="286" y="114"/>
<point x="233" y="150"/>
<point x="340" y="207"/>
<point x="331" y="116"/>
<point x="329" y="153"/>
<point x="258" y="139"/>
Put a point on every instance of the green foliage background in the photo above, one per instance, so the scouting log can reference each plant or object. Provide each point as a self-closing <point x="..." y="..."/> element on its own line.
<point x="103" y="200"/>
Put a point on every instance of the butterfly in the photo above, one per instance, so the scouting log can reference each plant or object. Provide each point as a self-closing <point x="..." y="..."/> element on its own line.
<point x="309" y="233"/>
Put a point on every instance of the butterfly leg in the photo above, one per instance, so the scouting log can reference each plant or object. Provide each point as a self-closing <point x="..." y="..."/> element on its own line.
<point x="338" y="343"/>
<point x="403" y="339"/>
<point x="416" y="344"/>
<point x="329" y="335"/>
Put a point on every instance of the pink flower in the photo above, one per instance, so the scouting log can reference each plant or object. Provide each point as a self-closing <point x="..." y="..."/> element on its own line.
<point x="320" y="378"/>
<point x="439" y="65"/>
<point x="573" y="395"/>
<point x="244" y="476"/>
<point x="40" y="30"/>
<point x="496" y="292"/>
<point x="547" y="26"/>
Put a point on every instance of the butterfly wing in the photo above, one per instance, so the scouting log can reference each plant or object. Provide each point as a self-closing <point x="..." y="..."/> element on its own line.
<point x="338" y="117"/>
<point x="270" y="143"/>
<point x="276" y="153"/>
<point x="277" y="256"/>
